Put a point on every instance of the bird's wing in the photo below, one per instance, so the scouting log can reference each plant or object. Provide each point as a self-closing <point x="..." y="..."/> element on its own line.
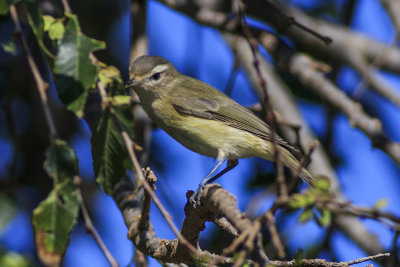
<point x="222" y="108"/>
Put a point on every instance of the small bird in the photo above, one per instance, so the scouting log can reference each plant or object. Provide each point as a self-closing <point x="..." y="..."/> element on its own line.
<point x="205" y="120"/>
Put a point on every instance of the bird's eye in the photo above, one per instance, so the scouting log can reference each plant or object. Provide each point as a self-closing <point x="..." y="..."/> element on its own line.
<point x="156" y="76"/>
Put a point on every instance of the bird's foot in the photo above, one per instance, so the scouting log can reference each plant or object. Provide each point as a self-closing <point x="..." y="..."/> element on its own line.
<point x="195" y="198"/>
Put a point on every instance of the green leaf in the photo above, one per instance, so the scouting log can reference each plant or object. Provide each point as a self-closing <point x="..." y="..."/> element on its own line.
<point x="310" y="198"/>
<point x="10" y="47"/>
<point x="7" y="211"/>
<point x="3" y="7"/>
<point x="326" y="218"/>
<point x="61" y="162"/>
<point x="55" y="27"/>
<point x="297" y="201"/>
<point x="35" y="19"/>
<point x="56" y="30"/>
<point x="306" y="215"/>
<point x="47" y="20"/>
<point x="381" y="203"/>
<point x="108" y="149"/>
<point x="55" y="217"/>
<point x="298" y="257"/>
<point x="322" y="184"/>
<point x="13" y="259"/>
<point x="120" y="100"/>
<point x="108" y="74"/>
<point x="74" y="71"/>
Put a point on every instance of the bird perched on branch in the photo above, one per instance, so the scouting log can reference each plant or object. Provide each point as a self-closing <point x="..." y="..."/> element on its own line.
<point x="205" y="120"/>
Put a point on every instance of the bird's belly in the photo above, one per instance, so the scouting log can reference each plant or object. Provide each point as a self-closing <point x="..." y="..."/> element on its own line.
<point x="208" y="137"/>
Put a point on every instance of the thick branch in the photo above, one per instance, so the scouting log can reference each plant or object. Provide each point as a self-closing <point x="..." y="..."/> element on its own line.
<point x="345" y="42"/>
<point x="393" y="9"/>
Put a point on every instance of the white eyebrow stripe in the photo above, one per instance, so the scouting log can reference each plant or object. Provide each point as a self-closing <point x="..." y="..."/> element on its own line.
<point x="159" y="68"/>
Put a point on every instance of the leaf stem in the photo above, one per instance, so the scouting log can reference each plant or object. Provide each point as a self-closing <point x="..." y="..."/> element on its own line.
<point x="40" y="83"/>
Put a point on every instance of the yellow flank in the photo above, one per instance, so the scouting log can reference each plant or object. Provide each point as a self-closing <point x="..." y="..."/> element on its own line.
<point x="204" y="136"/>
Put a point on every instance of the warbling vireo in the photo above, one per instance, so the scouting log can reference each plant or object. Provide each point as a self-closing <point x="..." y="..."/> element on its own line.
<point x="204" y="119"/>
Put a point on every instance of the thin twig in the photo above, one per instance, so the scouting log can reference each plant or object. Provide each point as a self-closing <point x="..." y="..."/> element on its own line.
<point x="231" y="79"/>
<point x="66" y="6"/>
<point x="393" y="9"/>
<point x="270" y="116"/>
<point x="326" y="39"/>
<point x="324" y="263"/>
<point x="40" y="83"/>
<point x="364" y="259"/>
<point x="276" y="241"/>
<point x="93" y="231"/>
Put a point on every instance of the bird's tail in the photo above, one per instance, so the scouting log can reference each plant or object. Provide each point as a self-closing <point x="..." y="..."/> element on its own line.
<point x="291" y="162"/>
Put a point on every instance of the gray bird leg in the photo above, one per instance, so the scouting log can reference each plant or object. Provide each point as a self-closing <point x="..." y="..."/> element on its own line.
<point x="195" y="198"/>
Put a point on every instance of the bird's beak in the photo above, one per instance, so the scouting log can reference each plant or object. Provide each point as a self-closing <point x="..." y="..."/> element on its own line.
<point x="130" y="83"/>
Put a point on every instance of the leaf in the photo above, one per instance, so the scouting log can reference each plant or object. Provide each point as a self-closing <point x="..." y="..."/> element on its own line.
<point x="326" y="218"/>
<point x="61" y="162"/>
<point x="55" y="27"/>
<point x="310" y="198"/>
<point x="13" y="259"/>
<point x="298" y="257"/>
<point x="297" y="201"/>
<point x="3" y="7"/>
<point x="47" y="20"/>
<point x="120" y="100"/>
<point x="10" y="47"/>
<point x="306" y="215"/>
<point x="55" y="217"/>
<point x="322" y="184"/>
<point x="109" y="73"/>
<point x="7" y="211"/>
<point x="74" y="71"/>
<point x="108" y="149"/>
<point x="35" y="19"/>
<point x="56" y="30"/>
<point x="381" y="203"/>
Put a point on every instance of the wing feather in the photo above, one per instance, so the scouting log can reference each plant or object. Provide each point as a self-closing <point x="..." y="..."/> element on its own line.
<point x="220" y="107"/>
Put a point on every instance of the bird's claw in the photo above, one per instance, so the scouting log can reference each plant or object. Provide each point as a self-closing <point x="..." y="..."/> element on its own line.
<point x="195" y="198"/>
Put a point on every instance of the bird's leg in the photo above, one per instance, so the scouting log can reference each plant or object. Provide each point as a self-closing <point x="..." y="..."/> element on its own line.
<point x="195" y="198"/>
<point x="229" y="166"/>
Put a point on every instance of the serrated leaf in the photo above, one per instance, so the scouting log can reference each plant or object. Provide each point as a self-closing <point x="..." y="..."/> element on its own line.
<point x="56" y="216"/>
<point x="306" y="215"/>
<point x="108" y="149"/>
<point x="74" y="71"/>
